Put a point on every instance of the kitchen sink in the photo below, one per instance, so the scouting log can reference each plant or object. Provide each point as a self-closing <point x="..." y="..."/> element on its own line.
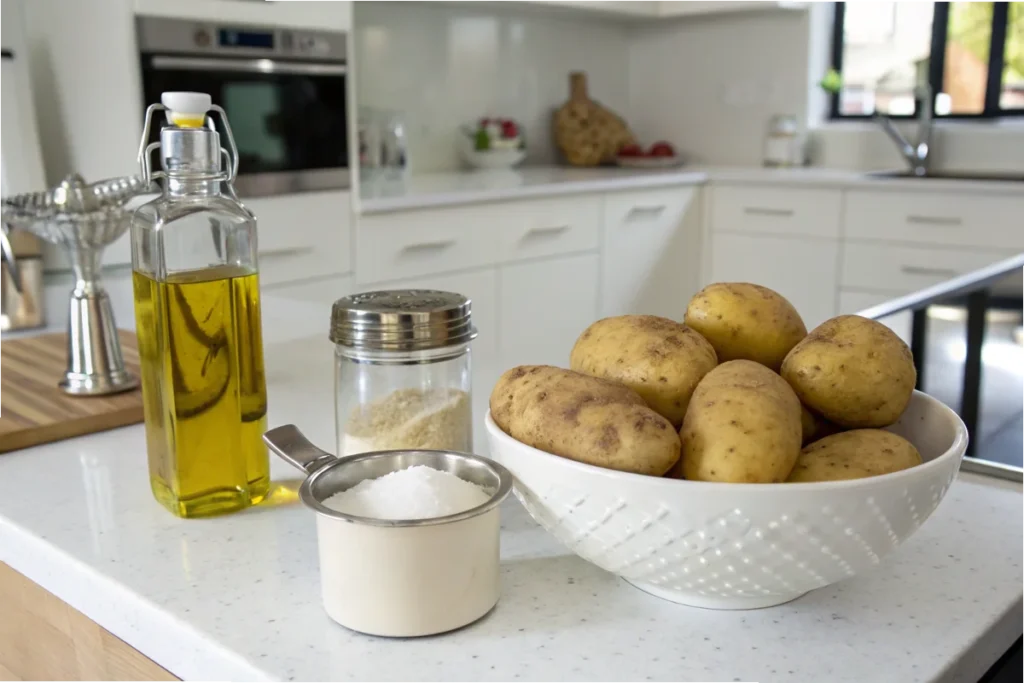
<point x="950" y="175"/>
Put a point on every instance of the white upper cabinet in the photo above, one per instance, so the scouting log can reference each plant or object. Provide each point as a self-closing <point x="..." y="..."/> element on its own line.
<point x="329" y="16"/>
<point x="640" y="8"/>
<point x="665" y="8"/>
<point x="668" y="8"/>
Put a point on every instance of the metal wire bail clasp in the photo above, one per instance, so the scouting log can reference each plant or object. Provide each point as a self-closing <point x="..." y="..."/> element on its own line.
<point x="231" y="154"/>
<point x="146" y="150"/>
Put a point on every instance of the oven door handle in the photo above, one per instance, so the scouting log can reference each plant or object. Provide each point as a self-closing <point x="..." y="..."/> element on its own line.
<point x="256" y="66"/>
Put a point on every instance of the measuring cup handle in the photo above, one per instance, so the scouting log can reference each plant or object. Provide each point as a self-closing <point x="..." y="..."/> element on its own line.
<point x="292" y="446"/>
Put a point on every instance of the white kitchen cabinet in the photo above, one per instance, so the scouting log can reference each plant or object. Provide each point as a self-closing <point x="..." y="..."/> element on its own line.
<point x="802" y="269"/>
<point x="444" y="239"/>
<point x="303" y="236"/>
<point x="481" y="286"/>
<point x="637" y="8"/>
<point x="774" y="210"/>
<point x="677" y="8"/>
<point x="655" y="9"/>
<point x="855" y="302"/>
<point x="327" y="16"/>
<point x="651" y="252"/>
<point x="302" y="309"/>
<point x="931" y="218"/>
<point x="544" y="306"/>
<point x="321" y="292"/>
<point x="901" y="269"/>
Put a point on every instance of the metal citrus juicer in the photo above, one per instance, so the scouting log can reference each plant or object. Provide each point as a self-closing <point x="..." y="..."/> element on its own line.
<point x="84" y="219"/>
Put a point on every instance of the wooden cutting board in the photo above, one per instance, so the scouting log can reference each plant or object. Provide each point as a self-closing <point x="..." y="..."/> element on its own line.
<point x="33" y="409"/>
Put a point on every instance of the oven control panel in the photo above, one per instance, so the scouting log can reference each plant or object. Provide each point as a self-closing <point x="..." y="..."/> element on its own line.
<point x="182" y="36"/>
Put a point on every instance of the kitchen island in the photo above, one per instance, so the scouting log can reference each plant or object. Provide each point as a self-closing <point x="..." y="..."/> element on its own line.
<point x="237" y="597"/>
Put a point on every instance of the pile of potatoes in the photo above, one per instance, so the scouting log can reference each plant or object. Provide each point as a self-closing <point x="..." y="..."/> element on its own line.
<point x="738" y="392"/>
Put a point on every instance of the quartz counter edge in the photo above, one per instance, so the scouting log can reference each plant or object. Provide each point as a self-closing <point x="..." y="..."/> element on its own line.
<point x="145" y="626"/>
<point x="434" y="190"/>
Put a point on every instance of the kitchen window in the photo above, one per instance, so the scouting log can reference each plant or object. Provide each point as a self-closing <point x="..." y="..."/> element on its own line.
<point x="970" y="53"/>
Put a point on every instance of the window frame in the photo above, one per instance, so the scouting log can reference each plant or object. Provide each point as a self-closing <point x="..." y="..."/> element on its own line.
<point x="937" y="66"/>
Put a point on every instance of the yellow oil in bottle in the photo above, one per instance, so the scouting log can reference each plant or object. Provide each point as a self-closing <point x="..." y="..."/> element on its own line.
<point x="204" y="391"/>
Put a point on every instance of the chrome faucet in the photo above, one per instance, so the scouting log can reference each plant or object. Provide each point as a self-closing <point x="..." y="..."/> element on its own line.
<point x="917" y="155"/>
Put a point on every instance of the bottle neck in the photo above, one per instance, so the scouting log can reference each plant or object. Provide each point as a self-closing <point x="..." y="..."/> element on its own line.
<point x="192" y="187"/>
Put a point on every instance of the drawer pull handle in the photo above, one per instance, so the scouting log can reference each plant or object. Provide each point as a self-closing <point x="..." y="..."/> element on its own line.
<point x="547" y="230"/>
<point x="285" y="251"/>
<point x="436" y="245"/>
<point x="653" y="209"/>
<point x="923" y="270"/>
<point x="765" y="211"/>
<point x="934" y="220"/>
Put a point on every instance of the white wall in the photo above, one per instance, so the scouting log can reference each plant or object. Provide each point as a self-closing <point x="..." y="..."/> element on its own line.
<point x="22" y="160"/>
<point x="85" y="83"/>
<point x="710" y="84"/>
<point x="444" y="65"/>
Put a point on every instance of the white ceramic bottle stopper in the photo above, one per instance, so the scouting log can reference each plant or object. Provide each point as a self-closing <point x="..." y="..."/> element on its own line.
<point x="186" y="109"/>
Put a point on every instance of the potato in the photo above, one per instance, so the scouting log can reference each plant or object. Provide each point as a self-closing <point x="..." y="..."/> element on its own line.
<point x="743" y="425"/>
<point x="745" y="321"/>
<point x="583" y="418"/>
<point x="853" y="371"/>
<point x="854" y="454"/>
<point x="815" y="426"/>
<point x="660" y="359"/>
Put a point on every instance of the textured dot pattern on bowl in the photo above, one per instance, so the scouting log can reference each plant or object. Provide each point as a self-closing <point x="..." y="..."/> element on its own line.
<point x="736" y="546"/>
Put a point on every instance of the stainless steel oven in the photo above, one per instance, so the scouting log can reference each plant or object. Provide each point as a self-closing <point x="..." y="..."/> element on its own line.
<point x="283" y="90"/>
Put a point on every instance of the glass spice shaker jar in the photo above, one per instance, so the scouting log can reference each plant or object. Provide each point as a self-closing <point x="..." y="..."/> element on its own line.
<point x="402" y="371"/>
<point x="782" y="144"/>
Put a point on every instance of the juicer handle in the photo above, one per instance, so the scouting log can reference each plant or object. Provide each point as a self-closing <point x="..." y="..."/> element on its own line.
<point x="9" y="258"/>
<point x="292" y="446"/>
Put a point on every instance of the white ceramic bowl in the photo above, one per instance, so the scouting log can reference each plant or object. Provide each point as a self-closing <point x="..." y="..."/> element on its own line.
<point x="736" y="546"/>
<point x="488" y="159"/>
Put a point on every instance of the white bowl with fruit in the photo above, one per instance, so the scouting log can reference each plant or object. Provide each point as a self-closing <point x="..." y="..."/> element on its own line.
<point x="659" y="155"/>
<point x="492" y="143"/>
<point x="732" y="461"/>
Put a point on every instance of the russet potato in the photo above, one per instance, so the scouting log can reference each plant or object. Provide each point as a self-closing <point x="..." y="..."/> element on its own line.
<point x="660" y="359"/>
<point x="853" y="371"/>
<point x="815" y="426"/>
<point x="583" y="418"/>
<point x="746" y="321"/>
<point x="742" y="426"/>
<point x="854" y="454"/>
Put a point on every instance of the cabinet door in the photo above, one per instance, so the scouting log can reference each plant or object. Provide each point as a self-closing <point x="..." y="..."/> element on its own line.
<point x="854" y="302"/>
<point x="481" y="286"/>
<point x="304" y="235"/>
<point x="303" y="309"/>
<point x="544" y="306"/>
<point x="803" y="270"/>
<point x="651" y="256"/>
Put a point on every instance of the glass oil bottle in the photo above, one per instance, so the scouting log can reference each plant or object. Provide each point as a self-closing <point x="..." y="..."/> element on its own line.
<point x="197" y="314"/>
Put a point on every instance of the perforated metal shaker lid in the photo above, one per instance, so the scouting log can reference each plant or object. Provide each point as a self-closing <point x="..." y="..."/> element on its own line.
<point x="402" y="320"/>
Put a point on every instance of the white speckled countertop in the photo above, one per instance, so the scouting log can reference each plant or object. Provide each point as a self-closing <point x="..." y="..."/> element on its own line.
<point x="237" y="597"/>
<point x="469" y="187"/>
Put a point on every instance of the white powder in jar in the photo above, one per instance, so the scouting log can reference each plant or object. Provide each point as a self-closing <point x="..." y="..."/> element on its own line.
<point x="408" y="419"/>
<point x="419" y="492"/>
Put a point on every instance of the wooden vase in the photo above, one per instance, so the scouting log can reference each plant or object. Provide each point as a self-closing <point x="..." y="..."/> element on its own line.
<point x="587" y="133"/>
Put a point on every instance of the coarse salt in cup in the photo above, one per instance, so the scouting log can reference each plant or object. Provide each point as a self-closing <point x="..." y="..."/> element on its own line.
<point x="400" y="577"/>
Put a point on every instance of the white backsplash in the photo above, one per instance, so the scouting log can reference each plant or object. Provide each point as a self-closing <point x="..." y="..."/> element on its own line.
<point x="709" y="85"/>
<point x="446" y="64"/>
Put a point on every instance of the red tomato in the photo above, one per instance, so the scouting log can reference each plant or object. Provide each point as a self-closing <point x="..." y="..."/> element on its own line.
<point x="631" y="151"/>
<point x="662" y="149"/>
